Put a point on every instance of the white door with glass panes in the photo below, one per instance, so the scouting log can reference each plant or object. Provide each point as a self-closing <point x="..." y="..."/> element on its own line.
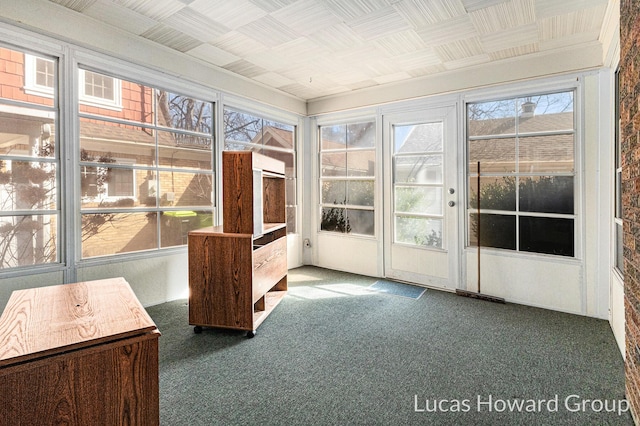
<point x="422" y="197"/>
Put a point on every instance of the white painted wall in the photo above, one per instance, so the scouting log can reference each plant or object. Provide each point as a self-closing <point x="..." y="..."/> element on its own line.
<point x="534" y="280"/>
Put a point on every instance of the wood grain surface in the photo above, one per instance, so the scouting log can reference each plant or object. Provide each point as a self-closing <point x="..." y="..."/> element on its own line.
<point x="46" y="320"/>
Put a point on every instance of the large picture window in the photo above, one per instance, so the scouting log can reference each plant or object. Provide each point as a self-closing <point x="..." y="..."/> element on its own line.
<point x="347" y="178"/>
<point x="29" y="163"/>
<point x="146" y="171"/>
<point x="243" y="131"/>
<point x="521" y="173"/>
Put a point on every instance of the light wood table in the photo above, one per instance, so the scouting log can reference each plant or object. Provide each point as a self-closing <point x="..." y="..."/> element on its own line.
<point x="78" y="354"/>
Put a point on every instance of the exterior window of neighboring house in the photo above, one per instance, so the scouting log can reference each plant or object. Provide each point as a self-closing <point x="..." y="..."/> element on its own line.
<point x="243" y="131"/>
<point x="97" y="89"/>
<point x="619" y="248"/>
<point x="347" y="178"/>
<point x="29" y="164"/>
<point x="521" y="154"/>
<point x="146" y="171"/>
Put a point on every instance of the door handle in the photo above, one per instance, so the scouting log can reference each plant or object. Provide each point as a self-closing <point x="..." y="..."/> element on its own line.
<point x="452" y="203"/>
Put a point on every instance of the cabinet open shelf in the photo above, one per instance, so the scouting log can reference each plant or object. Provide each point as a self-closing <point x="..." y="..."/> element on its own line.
<point x="238" y="271"/>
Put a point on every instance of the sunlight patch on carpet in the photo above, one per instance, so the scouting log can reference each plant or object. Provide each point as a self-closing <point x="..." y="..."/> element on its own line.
<point x="398" y="289"/>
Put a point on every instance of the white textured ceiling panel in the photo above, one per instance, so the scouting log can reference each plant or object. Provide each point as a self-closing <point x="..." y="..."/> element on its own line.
<point x="352" y="9"/>
<point x="548" y="8"/>
<point x="120" y="17"/>
<point x="238" y="44"/>
<point x="336" y="37"/>
<point x="231" y="14"/>
<point x="306" y="16"/>
<point x="195" y="25"/>
<point x="447" y="31"/>
<point x="268" y="31"/>
<point x="171" y="38"/>
<point x="77" y="5"/>
<point x="379" y="23"/>
<point x="156" y="9"/>
<point x="401" y="43"/>
<point x="315" y="48"/>
<point x="503" y="16"/>
<point x="472" y="5"/>
<point x="212" y="54"/>
<point x="508" y="39"/>
<point x="420" y="13"/>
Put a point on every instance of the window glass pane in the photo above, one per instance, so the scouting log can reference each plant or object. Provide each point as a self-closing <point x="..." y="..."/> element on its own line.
<point x="334" y="164"/>
<point x="360" y="192"/>
<point x="175" y="225"/>
<point x="334" y="192"/>
<point x="546" y="235"/>
<point x="107" y="96"/>
<point x="418" y="169"/>
<point x="110" y="233"/>
<point x="119" y="143"/>
<point x="492" y="118"/>
<point x="334" y="219"/>
<point x="498" y="231"/>
<point x="28" y="240"/>
<point x="425" y="200"/>
<point x="361" y="163"/>
<point x="27" y="78"/>
<point x="291" y="219"/>
<point x="333" y="137"/>
<point x="546" y="194"/>
<point x="361" y="135"/>
<point x="121" y="183"/>
<point x="553" y="153"/>
<point x="619" y="248"/>
<point x="24" y="133"/>
<point x="240" y="127"/>
<point x="185" y="189"/>
<point x="426" y="137"/>
<point x="619" y="194"/>
<point x="185" y="113"/>
<point x="277" y="135"/>
<point x="26" y="185"/>
<point x="543" y="113"/>
<point x="291" y="196"/>
<point x="177" y="150"/>
<point x="419" y="231"/>
<point x="109" y="187"/>
<point x="360" y="221"/>
<point x="494" y="155"/>
<point x="497" y="193"/>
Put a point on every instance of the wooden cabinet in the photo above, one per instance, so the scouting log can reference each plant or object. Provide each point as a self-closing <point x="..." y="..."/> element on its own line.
<point x="78" y="354"/>
<point x="238" y="271"/>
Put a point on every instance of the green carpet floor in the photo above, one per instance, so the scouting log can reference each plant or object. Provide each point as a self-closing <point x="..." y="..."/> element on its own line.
<point x="336" y="353"/>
